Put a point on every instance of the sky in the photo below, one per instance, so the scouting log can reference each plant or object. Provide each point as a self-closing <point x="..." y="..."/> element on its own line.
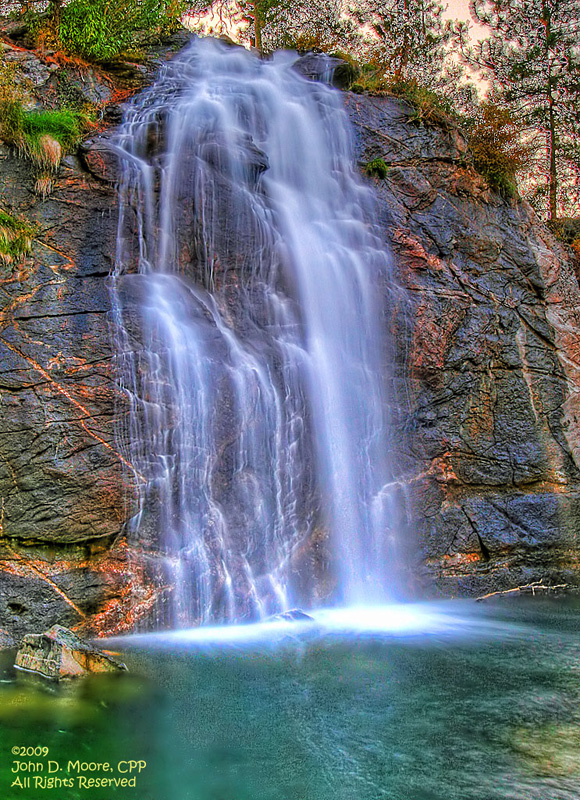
<point x="459" y="9"/>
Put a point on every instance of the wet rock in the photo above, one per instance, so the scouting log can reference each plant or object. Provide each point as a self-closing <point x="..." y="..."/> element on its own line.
<point x="293" y="615"/>
<point x="326" y="69"/>
<point x="100" y="158"/>
<point x="59" y="653"/>
<point x="486" y="400"/>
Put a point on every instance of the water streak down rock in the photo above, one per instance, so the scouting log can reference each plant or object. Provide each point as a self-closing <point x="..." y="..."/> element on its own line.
<point x="253" y="336"/>
<point x="484" y="443"/>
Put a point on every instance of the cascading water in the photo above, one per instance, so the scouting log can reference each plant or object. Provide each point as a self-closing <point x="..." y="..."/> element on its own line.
<point x="249" y="289"/>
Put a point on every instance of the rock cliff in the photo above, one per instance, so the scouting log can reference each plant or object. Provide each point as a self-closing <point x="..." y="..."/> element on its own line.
<point x="485" y="419"/>
<point x="486" y="350"/>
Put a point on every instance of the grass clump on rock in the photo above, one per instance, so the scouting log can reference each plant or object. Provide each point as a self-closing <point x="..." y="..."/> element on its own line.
<point x="16" y="236"/>
<point x="44" y="137"/>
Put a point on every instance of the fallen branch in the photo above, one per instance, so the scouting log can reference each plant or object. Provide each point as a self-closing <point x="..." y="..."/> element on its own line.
<point x="531" y="588"/>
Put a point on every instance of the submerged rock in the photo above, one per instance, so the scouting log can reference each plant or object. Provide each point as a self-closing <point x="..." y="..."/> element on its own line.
<point x="59" y="653"/>
<point x="293" y="615"/>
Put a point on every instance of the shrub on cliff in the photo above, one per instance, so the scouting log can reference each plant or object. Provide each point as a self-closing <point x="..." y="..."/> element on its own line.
<point x="99" y="30"/>
<point x="498" y="153"/>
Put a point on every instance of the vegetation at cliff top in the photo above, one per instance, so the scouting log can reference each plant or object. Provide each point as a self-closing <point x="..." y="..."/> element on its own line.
<point x="16" y="237"/>
<point x="497" y="152"/>
<point x="99" y="30"/>
<point x="530" y="59"/>
<point x="43" y="137"/>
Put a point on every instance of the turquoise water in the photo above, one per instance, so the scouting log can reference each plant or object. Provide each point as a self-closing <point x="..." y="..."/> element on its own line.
<point x="472" y="708"/>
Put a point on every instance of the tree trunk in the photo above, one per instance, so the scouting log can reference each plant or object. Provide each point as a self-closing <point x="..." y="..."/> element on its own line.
<point x="553" y="179"/>
<point x="257" y="28"/>
<point x="552" y="140"/>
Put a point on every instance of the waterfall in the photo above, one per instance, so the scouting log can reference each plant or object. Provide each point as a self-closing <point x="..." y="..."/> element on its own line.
<point x="249" y="290"/>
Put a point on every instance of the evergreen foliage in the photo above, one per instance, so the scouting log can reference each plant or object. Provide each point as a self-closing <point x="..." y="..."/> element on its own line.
<point x="532" y="57"/>
<point x="409" y="37"/>
<point x="271" y="24"/>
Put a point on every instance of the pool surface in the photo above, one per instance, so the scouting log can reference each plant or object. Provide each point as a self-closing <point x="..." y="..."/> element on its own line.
<point x="451" y="701"/>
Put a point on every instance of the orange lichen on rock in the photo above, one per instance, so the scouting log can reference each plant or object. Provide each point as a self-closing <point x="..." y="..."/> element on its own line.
<point x="433" y="334"/>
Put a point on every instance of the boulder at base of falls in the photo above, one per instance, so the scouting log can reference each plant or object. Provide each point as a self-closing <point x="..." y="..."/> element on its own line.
<point x="59" y="653"/>
<point x="293" y="615"/>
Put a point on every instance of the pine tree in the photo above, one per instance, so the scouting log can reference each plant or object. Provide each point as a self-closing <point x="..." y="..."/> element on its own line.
<point x="409" y="37"/>
<point x="271" y="24"/>
<point x="533" y="57"/>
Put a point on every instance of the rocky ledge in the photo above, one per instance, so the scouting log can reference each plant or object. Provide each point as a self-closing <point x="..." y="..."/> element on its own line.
<point x="59" y="654"/>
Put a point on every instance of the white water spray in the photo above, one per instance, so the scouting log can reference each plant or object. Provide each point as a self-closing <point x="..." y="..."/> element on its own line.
<point x="250" y="291"/>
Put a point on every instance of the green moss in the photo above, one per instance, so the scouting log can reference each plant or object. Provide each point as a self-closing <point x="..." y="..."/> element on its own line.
<point x="16" y="237"/>
<point x="377" y="168"/>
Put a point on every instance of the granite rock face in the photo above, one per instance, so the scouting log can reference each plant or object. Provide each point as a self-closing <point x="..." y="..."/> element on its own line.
<point x="486" y="417"/>
<point x="66" y="490"/>
<point x="486" y="365"/>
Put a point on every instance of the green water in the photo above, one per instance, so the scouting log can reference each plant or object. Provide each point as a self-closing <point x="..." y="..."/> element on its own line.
<point x="338" y="718"/>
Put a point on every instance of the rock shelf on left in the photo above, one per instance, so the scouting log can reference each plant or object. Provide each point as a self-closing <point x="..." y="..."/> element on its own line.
<point x="66" y="491"/>
<point x="59" y="653"/>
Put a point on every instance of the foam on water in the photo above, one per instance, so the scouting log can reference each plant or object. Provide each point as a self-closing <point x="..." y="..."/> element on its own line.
<point x="448" y="620"/>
